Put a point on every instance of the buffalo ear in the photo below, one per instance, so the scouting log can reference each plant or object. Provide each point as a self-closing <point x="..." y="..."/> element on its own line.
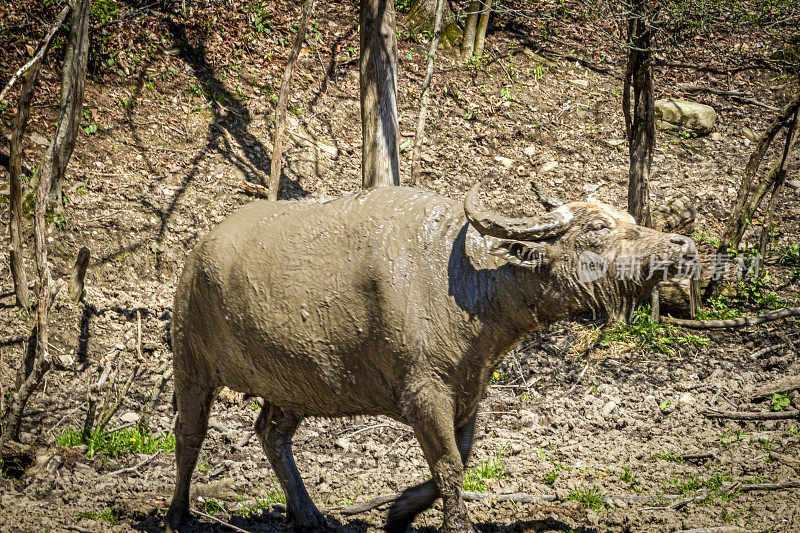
<point x="525" y="254"/>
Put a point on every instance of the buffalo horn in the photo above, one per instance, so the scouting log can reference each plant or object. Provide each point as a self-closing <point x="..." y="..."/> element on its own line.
<point x="524" y="229"/>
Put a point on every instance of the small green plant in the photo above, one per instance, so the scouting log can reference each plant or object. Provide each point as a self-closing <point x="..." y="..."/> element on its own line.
<point x="649" y="335"/>
<point x="665" y="404"/>
<point x="129" y="440"/>
<point x="212" y="506"/>
<point x="669" y="457"/>
<point x="551" y="477"/>
<point x="56" y="219"/>
<point x="700" y="236"/>
<point x="691" y="485"/>
<point x="492" y="468"/>
<point x="260" y="17"/>
<point x="779" y="400"/>
<point x="588" y="497"/>
<point x="104" y="11"/>
<point x="631" y="479"/>
<point x="790" y="256"/>
<point x="106" y="515"/>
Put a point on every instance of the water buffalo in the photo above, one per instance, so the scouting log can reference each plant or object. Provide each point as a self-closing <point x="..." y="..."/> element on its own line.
<point x="392" y="301"/>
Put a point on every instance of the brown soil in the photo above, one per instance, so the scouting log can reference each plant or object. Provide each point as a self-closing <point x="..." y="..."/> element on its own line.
<point x="184" y="115"/>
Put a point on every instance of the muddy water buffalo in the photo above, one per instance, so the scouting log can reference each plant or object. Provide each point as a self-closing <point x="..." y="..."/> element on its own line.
<point x="391" y="301"/>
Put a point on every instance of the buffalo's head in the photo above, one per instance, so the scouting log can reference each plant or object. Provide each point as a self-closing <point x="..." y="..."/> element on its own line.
<point x="586" y="257"/>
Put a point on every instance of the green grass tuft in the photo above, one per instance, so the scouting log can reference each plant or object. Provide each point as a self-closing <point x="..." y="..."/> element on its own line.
<point x="116" y="443"/>
<point x="588" y="497"/>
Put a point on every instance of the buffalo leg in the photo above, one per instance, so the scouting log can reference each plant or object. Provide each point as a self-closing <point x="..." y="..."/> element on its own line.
<point x="275" y="429"/>
<point x="431" y="416"/>
<point x="194" y="404"/>
<point x="419" y="498"/>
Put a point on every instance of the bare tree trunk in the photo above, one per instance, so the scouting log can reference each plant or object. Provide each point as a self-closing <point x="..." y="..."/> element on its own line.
<point x="483" y="24"/>
<point x="28" y="73"/>
<point x="425" y="95"/>
<point x="73" y="78"/>
<point x="280" y="110"/>
<point x="777" y="182"/>
<point x="380" y="154"/>
<point x="60" y="148"/>
<point x="468" y="42"/>
<point x="15" y="167"/>
<point x="641" y="122"/>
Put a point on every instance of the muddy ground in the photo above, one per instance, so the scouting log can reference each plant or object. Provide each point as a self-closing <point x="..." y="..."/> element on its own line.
<point x="183" y="116"/>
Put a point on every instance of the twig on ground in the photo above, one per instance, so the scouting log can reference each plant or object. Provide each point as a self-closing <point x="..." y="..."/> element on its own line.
<point x="788" y="460"/>
<point x="716" y="529"/>
<point x="737" y="95"/>
<point x="576" y="381"/>
<point x="255" y="189"/>
<point x="217" y="520"/>
<point x="787" y="383"/>
<point x="136" y="466"/>
<point x="245" y="439"/>
<point x="690" y="457"/>
<point x="745" y="415"/>
<point x="80" y="529"/>
<point x="767" y="349"/>
<point x="747" y="487"/>
<point x="679" y="502"/>
<point x="734" y="322"/>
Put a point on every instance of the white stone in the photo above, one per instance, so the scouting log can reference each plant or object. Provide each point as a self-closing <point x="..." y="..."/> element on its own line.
<point x="608" y="408"/>
<point x="687" y="399"/>
<point x="547" y="167"/>
<point x="505" y="161"/>
<point x="685" y="114"/>
<point x="530" y="150"/>
<point x="129" y="417"/>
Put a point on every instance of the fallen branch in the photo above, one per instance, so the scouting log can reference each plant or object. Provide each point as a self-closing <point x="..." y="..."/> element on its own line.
<point x="734" y="322"/>
<point x="748" y="487"/>
<point x="580" y="376"/>
<point x="788" y="460"/>
<point x="134" y="467"/>
<point x="738" y="95"/>
<point x="79" y="529"/>
<point x="690" y="457"/>
<point x="708" y="68"/>
<point x="255" y="189"/>
<point x="745" y="415"/>
<point x="768" y="349"/>
<point x="679" y="503"/>
<point x="788" y="383"/>
<point x="41" y="50"/>
<point x="716" y="529"/>
<point x="217" y="520"/>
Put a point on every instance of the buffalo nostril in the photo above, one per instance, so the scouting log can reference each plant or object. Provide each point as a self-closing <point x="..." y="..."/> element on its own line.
<point x="680" y="241"/>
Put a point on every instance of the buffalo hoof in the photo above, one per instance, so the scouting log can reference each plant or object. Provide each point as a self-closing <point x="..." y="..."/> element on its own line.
<point x="398" y="523"/>
<point x="308" y="520"/>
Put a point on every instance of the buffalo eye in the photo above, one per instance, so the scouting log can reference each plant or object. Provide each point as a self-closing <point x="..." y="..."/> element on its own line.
<point x="599" y="225"/>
